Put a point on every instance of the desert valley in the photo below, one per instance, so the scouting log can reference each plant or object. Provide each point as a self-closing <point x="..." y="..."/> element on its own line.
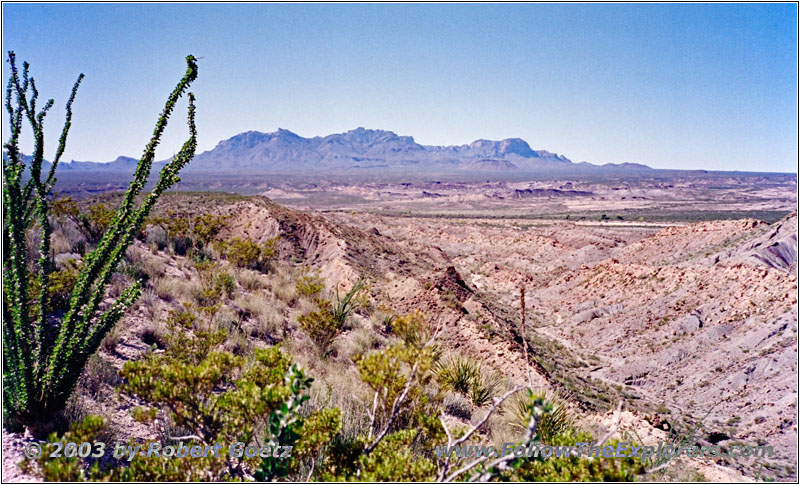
<point x="672" y="294"/>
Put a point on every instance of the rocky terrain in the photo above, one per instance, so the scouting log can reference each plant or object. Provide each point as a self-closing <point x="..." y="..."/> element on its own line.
<point x="683" y="322"/>
<point x="695" y="321"/>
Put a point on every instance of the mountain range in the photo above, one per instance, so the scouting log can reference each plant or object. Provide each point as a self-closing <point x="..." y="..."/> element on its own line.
<point x="362" y="149"/>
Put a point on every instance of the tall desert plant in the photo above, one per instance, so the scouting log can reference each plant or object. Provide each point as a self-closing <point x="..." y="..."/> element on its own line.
<point x="44" y="351"/>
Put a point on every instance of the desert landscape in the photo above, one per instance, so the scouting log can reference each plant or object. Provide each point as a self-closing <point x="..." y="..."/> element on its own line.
<point x="675" y="296"/>
<point x="400" y="243"/>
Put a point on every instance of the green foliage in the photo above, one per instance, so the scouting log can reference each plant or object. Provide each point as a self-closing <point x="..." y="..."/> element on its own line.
<point x="44" y="353"/>
<point x="309" y="285"/>
<point x="346" y="305"/>
<point x="65" y="469"/>
<point x="207" y="226"/>
<point x="395" y="459"/>
<point x="245" y="253"/>
<point x="325" y="323"/>
<point x="403" y="420"/>
<point x="575" y="469"/>
<point x="467" y="376"/>
<point x="216" y="396"/>
<point x="66" y="208"/>
<point x="99" y="217"/>
<point x="187" y="233"/>
<point x="226" y="283"/>
<point x="144" y="414"/>
<point x="320" y="325"/>
<point x="411" y="327"/>
<point x="552" y="424"/>
<point x="241" y="252"/>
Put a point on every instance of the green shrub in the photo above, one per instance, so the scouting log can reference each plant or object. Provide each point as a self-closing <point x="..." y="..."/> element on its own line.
<point x="207" y="226"/>
<point x="467" y="376"/>
<point x="320" y="325"/>
<point x="309" y="285"/>
<point x="243" y="253"/>
<point x="220" y="397"/>
<point x="553" y="424"/>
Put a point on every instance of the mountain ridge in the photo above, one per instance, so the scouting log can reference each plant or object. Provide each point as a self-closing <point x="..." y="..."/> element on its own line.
<point x="362" y="148"/>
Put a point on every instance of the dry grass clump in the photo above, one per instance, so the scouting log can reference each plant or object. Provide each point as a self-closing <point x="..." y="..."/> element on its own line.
<point x="281" y="284"/>
<point x="59" y="243"/>
<point x="264" y="316"/>
<point x="173" y="289"/>
<point x="154" y="335"/>
<point x="148" y="302"/>
<point x="458" y="405"/>
<point x="98" y="378"/>
<point x="341" y="387"/>
<point x="111" y="340"/>
<point x="357" y="342"/>
<point x="250" y="280"/>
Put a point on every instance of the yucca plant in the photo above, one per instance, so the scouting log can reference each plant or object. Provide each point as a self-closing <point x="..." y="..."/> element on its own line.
<point x="44" y="351"/>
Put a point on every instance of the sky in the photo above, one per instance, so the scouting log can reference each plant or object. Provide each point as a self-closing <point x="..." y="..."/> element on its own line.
<point x="685" y="86"/>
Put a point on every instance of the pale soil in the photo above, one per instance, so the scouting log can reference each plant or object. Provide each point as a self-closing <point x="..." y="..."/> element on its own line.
<point x="648" y="310"/>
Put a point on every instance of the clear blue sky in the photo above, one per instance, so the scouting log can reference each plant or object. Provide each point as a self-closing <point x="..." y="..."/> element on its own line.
<point x="672" y="86"/>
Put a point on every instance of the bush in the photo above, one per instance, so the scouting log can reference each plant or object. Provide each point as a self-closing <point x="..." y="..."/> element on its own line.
<point x="220" y="397"/>
<point x="325" y="323"/>
<point x="309" y="285"/>
<point x="243" y="253"/>
<point x="207" y="226"/>
<point x="320" y="325"/>
<point x="467" y="376"/>
<point x="157" y="237"/>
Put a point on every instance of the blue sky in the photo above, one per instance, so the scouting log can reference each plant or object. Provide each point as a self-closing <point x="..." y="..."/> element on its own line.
<point x="670" y="85"/>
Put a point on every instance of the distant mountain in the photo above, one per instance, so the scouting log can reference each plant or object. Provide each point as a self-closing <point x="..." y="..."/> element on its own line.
<point x="361" y="148"/>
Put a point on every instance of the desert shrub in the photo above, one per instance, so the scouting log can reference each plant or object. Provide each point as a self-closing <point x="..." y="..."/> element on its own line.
<point x="403" y="421"/>
<point x="308" y="284"/>
<point x="226" y="283"/>
<point x="269" y="252"/>
<point x="71" y="469"/>
<point x="99" y="216"/>
<point x="358" y="342"/>
<point x="149" y="302"/>
<point x="214" y="284"/>
<point x="181" y="245"/>
<point x="144" y="414"/>
<point x="207" y="226"/>
<point x="97" y="377"/>
<point x="265" y="319"/>
<point x="467" y="376"/>
<point x="552" y="425"/>
<point x="320" y="325"/>
<point x="220" y="397"/>
<point x="243" y="253"/>
<point x="344" y="306"/>
<point x="250" y="280"/>
<point x="44" y="353"/>
<point x="411" y="327"/>
<point x="166" y="289"/>
<point x="62" y="281"/>
<point x="111" y="340"/>
<point x="157" y="236"/>
<point x="576" y="469"/>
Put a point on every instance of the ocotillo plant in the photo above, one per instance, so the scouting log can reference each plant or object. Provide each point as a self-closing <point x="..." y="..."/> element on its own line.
<point x="44" y="353"/>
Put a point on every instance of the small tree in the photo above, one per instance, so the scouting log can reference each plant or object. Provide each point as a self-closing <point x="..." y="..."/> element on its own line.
<point x="44" y="352"/>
